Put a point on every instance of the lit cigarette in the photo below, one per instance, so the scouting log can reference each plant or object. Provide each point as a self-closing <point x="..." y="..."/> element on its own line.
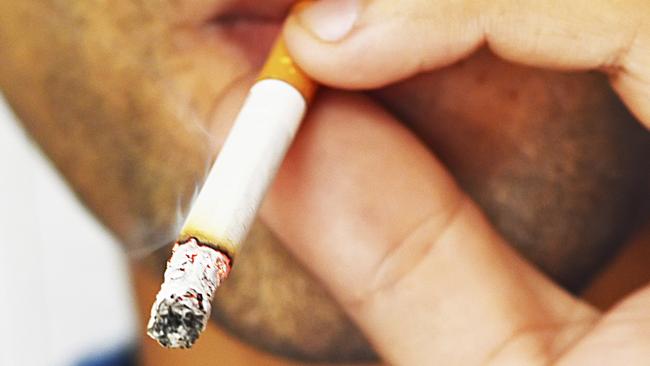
<point x="226" y="206"/>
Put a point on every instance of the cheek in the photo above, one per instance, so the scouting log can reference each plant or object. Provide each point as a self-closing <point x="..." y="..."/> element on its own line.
<point x="550" y="157"/>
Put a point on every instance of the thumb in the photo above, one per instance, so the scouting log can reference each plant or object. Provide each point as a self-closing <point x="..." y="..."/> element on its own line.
<point x="358" y="44"/>
<point x="364" y="44"/>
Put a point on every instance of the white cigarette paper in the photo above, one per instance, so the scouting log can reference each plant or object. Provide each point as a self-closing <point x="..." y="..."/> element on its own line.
<point x="245" y="167"/>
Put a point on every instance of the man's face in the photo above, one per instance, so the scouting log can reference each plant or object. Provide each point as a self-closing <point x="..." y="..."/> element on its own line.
<point x="132" y="99"/>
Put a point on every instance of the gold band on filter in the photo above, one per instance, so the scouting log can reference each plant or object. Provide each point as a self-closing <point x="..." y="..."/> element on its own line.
<point x="279" y="65"/>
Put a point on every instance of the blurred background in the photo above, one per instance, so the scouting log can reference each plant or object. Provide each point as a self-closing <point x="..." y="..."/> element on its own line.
<point x="64" y="295"/>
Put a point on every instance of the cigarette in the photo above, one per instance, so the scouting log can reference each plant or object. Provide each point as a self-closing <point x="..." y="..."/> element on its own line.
<point x="226" y="205"/>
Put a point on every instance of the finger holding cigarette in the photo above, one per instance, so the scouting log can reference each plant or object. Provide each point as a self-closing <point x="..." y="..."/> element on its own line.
<point x="226" y="205"/>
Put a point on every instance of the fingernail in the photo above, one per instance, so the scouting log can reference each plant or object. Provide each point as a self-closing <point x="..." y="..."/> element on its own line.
<point x="330" y="20"/>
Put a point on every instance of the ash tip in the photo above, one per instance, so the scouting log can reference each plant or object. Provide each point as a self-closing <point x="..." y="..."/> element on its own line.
<point x="182" y="307"/>
<point x="176" y="325"/>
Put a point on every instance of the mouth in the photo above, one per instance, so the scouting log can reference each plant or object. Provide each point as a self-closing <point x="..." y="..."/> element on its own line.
<point x="248" y="26"/>
<point x="213" y="50"/>
<point x="252" y="37"/>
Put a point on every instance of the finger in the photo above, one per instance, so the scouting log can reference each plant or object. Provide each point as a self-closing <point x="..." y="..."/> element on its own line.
<point x="366" y="44"/>
<point x="367" y="208"/>
<point x="622" y="336"/>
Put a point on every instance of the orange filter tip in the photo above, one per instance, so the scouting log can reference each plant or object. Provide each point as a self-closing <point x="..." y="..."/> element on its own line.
<point x="279" y="65"/>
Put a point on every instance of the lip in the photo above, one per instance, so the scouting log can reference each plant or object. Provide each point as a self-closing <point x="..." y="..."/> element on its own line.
<point x="215" y="47"/>
<point x="251" y="36"/>
<point x="196" y="12"/>
<point x="249" y="25"/>
<point x="242" y="34"/>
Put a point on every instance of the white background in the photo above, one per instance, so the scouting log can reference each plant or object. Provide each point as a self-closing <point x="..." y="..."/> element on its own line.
<point x="64" y="291"/>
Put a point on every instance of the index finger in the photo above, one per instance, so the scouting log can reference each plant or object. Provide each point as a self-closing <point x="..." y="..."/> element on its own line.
<point x="366" y="44"/>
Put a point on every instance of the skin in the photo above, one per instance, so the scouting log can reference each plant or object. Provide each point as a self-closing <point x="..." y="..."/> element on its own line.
<point x="131" y="100"/>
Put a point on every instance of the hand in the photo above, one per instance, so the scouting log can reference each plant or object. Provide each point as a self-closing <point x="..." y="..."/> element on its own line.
<point x="382" y="41"/>
<point x="375" y="216"/>
<point x="131" y="100"/>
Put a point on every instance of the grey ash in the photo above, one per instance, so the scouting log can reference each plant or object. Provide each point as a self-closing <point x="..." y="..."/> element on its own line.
<point x="176" y="325"/>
